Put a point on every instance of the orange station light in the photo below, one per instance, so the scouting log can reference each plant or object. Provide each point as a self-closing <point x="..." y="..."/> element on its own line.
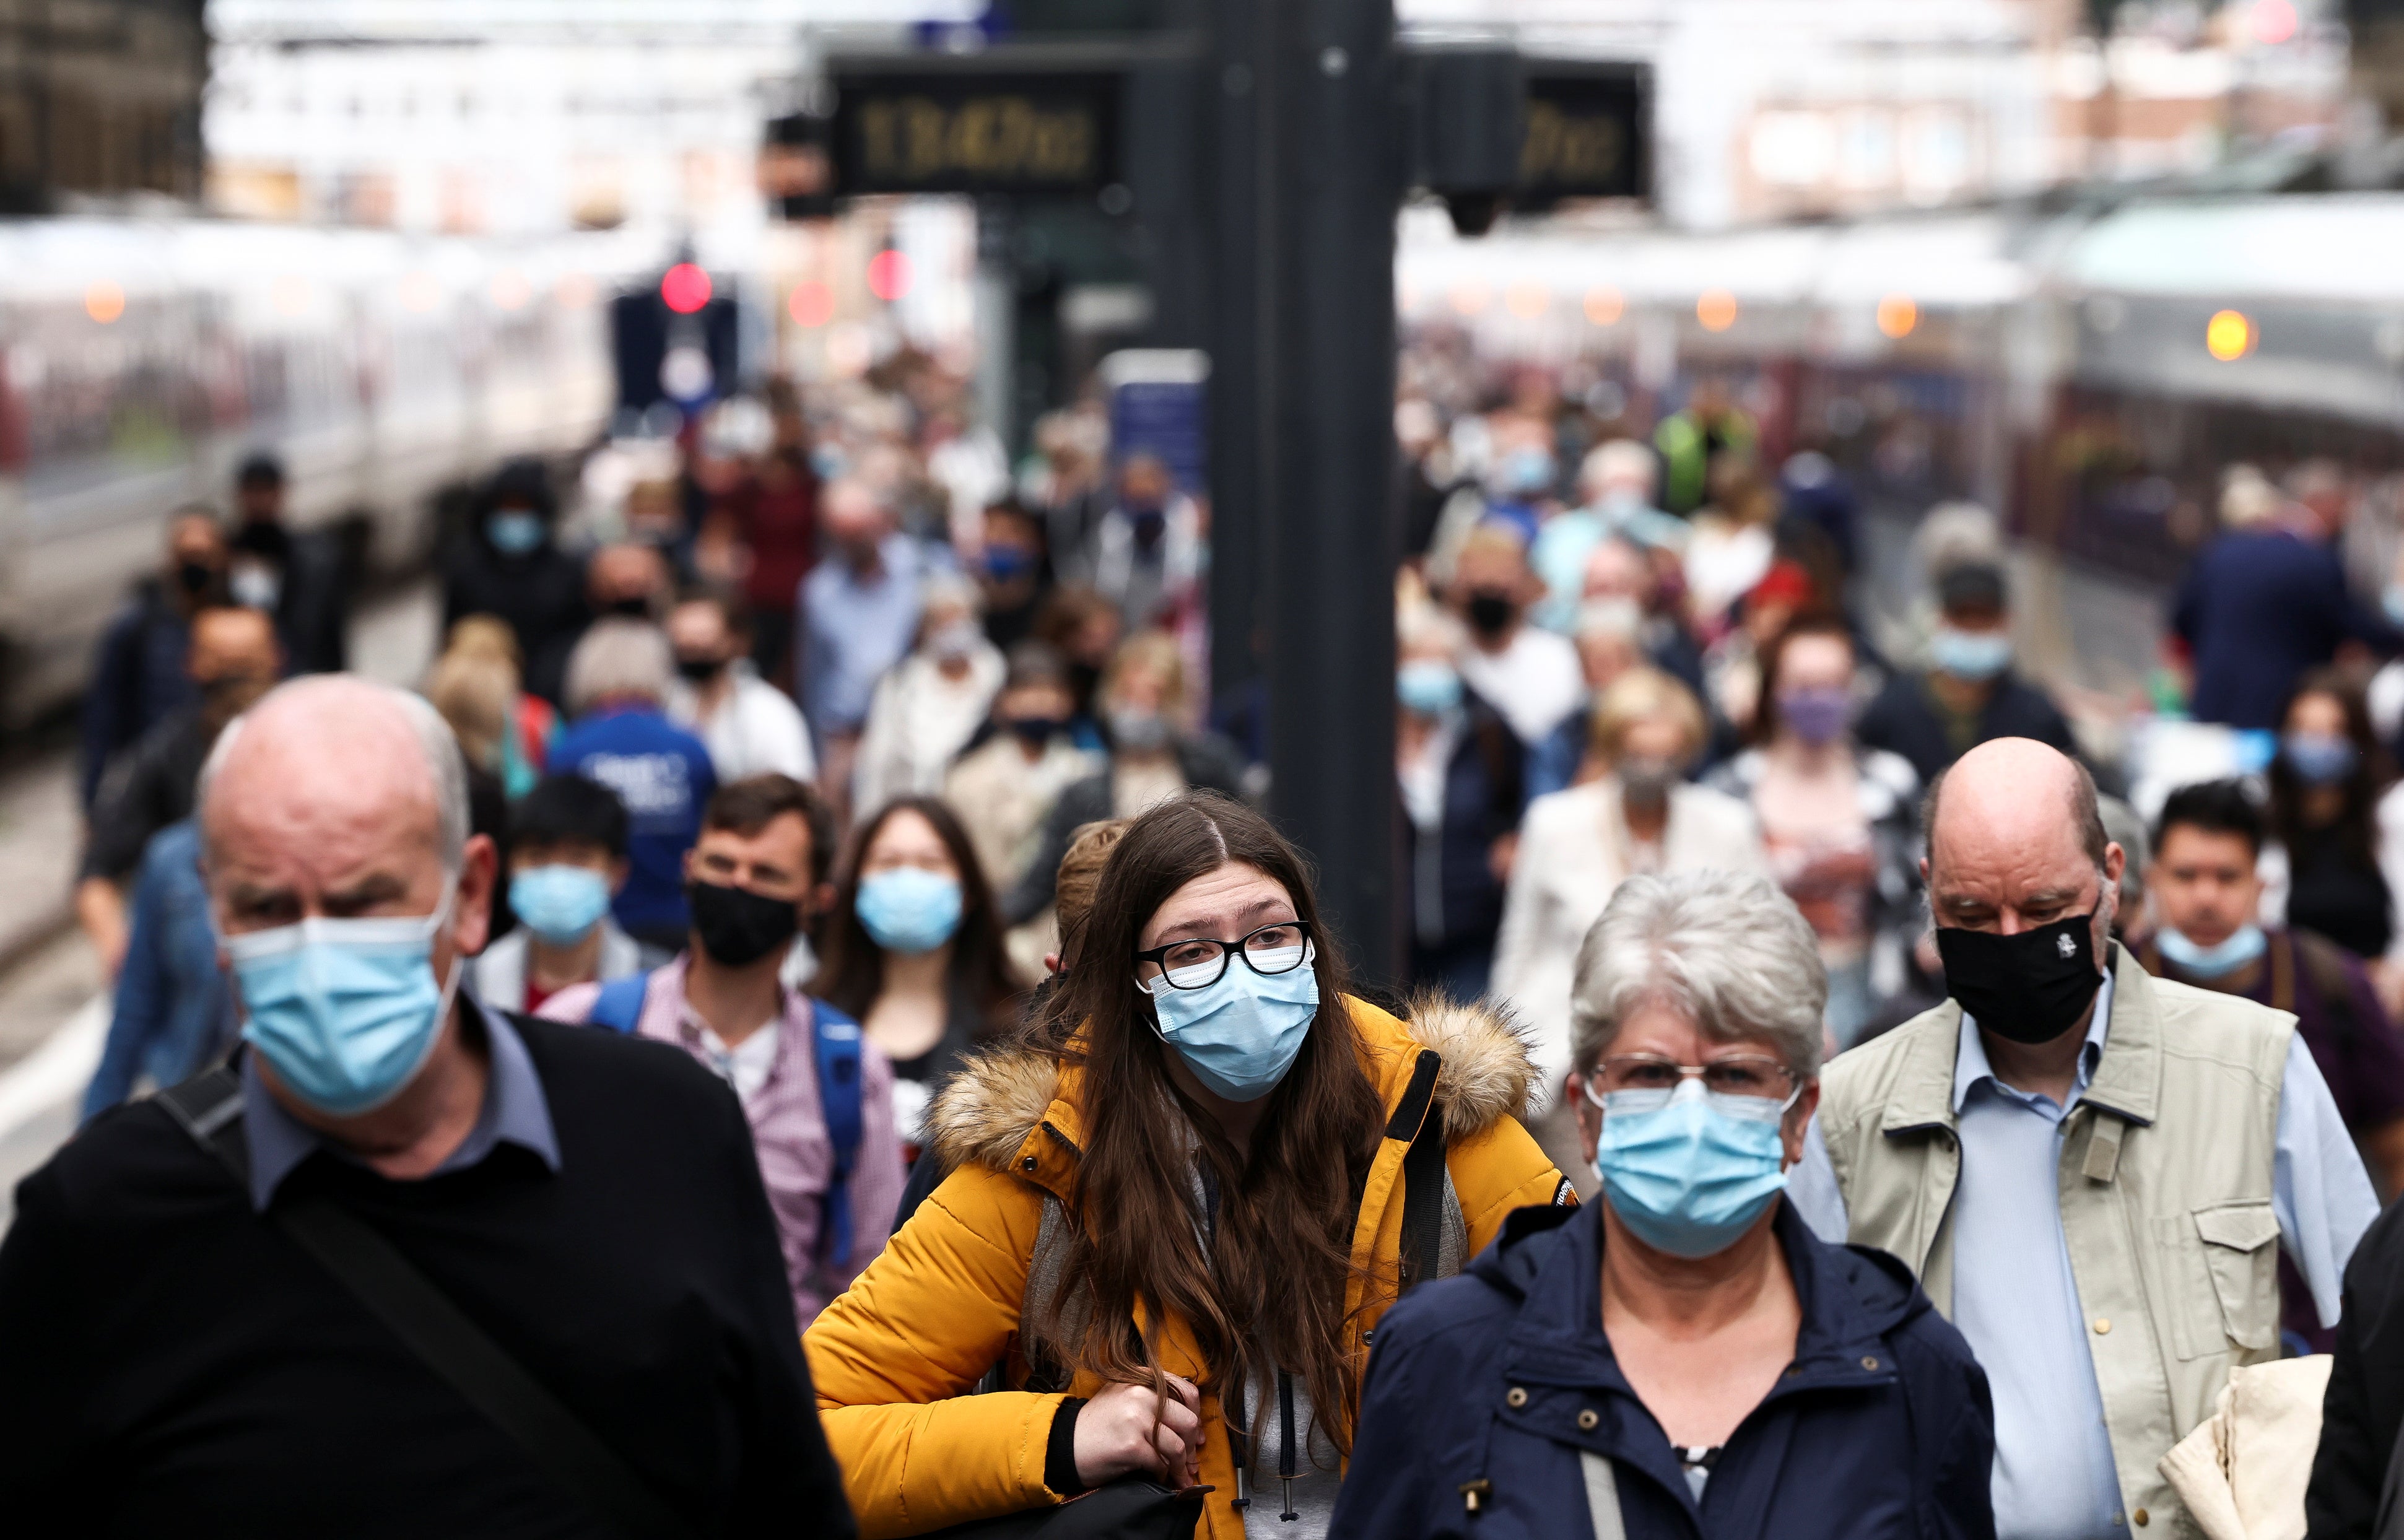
<point x="1716" y="310"/>
<point x="2229" y="335"/>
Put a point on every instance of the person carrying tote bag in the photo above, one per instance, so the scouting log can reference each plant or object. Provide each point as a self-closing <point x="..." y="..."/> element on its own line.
<point x="1181" y="1202"/>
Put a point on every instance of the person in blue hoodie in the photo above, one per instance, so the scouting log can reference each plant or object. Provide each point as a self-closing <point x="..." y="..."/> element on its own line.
<point x="621" y="738"/>
<point x="1683" y="1358"/>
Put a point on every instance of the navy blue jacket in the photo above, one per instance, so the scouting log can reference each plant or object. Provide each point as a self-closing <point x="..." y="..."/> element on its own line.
<point x="2258" y="609"/>
<point x="1880" y="1427"/>
<point x="1450" y="879"/>
<point x="137" y="682"/>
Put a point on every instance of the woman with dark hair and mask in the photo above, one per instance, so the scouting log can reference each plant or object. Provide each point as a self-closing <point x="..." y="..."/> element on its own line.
<point x="1173" y="1231"/>
<point x="2336" y="822"/>
<point x="914" y="951"/>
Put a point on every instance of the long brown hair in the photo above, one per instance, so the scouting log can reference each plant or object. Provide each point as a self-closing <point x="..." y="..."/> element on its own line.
<point x="1273" y="1278"/>
<point x="854" y="964"/>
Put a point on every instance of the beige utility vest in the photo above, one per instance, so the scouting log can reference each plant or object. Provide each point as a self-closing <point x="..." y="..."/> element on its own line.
<point x="2165" y="1188"/>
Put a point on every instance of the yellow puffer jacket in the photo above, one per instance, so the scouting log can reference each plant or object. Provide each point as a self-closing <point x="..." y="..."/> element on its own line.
<point x="892" y="1358"/>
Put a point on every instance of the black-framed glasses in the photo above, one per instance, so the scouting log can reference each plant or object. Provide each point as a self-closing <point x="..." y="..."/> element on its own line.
<point x="1199" y="963"/>
<point x="1743" y="1074"/>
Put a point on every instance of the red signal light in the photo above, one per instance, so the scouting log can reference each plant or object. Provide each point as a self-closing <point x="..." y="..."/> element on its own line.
<point x="888" y="276"/>
<point x="684" y="289"/>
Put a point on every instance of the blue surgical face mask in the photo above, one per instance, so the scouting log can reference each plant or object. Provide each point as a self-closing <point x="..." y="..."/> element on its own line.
<point x="2243" y="945"/>
<point x="560" y="903"/>
<point x="1240" y="1036"/>
<point x="514" y="531"/>
<point x="1689" y="1170"/>
<point x="1970" y="655"/>
<point x="1428" y="687"/>
<point x="344" y="1010"/>
<point x="2318" y="759"/>
<point x="908" y="909"/>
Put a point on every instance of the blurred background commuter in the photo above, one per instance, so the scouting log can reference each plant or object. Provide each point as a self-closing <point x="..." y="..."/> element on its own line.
<point x="751" y="727"/>
<point x="566" y="862"/>
<point x="619" y="735"/>
<point x="929" y="705"/>
<point x="914" y="951"/>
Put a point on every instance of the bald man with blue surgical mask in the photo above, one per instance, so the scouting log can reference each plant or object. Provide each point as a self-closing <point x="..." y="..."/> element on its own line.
<point x="2091" y="1170"/>
<point x="172" y="1313"/>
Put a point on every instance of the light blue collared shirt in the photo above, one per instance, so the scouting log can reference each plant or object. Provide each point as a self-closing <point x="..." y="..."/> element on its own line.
<point x="515" y="1112"/>
<point x="2055" y="1478"/>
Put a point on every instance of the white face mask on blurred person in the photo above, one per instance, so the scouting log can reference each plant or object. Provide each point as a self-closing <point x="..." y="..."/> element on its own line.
<point x="955" y="641"/>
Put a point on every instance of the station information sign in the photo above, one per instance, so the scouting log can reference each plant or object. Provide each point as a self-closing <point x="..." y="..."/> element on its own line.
<point x="1585" y="134"/>
<point x="990" y="132"/>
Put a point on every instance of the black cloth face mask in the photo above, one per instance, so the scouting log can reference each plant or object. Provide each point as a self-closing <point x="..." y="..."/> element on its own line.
<point x="2024" y="988"/>
<point x="738" y="926"/>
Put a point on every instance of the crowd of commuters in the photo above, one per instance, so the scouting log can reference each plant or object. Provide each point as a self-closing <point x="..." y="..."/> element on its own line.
<point x="798" y="1023"/>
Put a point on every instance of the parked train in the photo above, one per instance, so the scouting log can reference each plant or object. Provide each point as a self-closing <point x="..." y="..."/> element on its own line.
<point x="141" y="359"/>
<point x="2085" y="366"/>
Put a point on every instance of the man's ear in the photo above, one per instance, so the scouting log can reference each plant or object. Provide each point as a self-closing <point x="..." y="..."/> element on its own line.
<point x="472" y="904"/>
<point x="621" y="868"/>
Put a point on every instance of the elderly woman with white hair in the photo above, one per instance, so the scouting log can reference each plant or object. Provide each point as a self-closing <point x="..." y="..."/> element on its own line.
<point x="616" y="690"/>
<point x="1683" y="1357"/>
<point x="929" y="705"/>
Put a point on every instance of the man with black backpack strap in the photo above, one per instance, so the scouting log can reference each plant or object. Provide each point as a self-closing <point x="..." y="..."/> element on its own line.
<point x="405" y="1267"/>
<point x="819" y="1097"/>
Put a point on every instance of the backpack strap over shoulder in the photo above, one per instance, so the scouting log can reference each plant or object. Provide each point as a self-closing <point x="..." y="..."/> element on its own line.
<point x="618" y="1006"/>
<point x="834" y="1044"/>
<point x="208" y="1107"/>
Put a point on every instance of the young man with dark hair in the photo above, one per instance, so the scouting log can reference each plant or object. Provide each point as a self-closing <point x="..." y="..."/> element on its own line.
<point x="567" y="860"/>
<point x="819" y="1097"/>
<point x="2205" y="897"/>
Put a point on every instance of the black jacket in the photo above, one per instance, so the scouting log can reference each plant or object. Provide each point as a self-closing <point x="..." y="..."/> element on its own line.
<point x="149" y="786"/>
<point x="1905" y="719"/>
<point x="1882" y="1426"/>
<point x="541" y="594"/>
<point x="1454" y="899"/>
<point x="171" y="1363"/>
<point x="2363" y="1408"/>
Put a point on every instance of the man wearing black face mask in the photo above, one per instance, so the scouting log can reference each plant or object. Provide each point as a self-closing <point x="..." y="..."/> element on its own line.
<point x="1147" y="551"/>
<point x="2089" y="1167"/>
<point x="1527" y="674"/>
<point x="138" y="679"/>
<point x="300" y="579"/>
<point x="753" y="880"/>
<point x="750" y="726"/>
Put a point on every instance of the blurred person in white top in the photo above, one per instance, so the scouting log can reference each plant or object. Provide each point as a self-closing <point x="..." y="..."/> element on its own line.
<point x="1527" y="674"/>
<point x="1634" y="813"/>
<point x="750" y="727"/>
<point x="929" y="705"/>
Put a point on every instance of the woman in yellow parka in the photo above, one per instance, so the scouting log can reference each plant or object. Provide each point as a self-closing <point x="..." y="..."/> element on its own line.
<point x="1176" y="1216"/>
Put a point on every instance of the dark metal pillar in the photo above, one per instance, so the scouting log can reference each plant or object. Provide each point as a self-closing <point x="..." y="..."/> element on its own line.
<point x="1303" y="367"/>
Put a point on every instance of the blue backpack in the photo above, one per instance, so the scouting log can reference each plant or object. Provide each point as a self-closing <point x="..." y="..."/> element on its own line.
<point x="835" y="1042"/>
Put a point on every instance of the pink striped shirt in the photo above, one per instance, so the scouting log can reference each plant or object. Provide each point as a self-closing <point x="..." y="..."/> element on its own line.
<point x="790" y="1132"/>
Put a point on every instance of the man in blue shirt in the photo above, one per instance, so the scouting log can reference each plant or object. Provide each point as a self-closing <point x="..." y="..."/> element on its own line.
<point x="860" y="616"/>
<point x="2088" y="1167"/>
<point x="616" y="690"/>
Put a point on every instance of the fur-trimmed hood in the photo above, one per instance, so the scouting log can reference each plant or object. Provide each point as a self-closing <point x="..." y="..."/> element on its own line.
<point x="986" y="1111"/>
